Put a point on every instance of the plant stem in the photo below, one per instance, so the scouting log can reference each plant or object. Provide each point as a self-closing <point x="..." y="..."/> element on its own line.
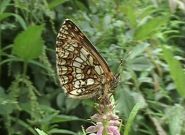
<point x="0" y="53"/>
<point x="105" y="128"/>
<point x="25" y="65"/>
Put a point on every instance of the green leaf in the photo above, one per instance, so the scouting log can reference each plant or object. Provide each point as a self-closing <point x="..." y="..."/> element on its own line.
<point x="18" y="18"/>
<point x="29" y="44"/>
<point x="130" y="14"/>
<point x="55" y="3"/>
<point x="124" y="100"/>
<point x="132" y="117"/>
<point x="3" y="5"/>
<point x="140" y="64"/>
<point x="7" y="105"/>
<point x="4" y="15"/>
<point x="71" y="104"/>
<point x="40" y="132"/>
<point x="175" y="115"/>
<point x="61" y="131"/>
<point x="24" y="125"/>
<point x="149" y="28"/>
<point x="65" y="118"/>
<point x="138" y="50"/>
<point x="147" y="11"/>
<point x="176" y="70"/>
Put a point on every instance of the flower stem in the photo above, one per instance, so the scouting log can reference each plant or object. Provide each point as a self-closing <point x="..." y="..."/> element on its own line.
<point x="105" y="123"/>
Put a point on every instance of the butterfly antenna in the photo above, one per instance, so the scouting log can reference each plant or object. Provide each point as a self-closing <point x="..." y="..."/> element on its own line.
<point x="119" y="68"/>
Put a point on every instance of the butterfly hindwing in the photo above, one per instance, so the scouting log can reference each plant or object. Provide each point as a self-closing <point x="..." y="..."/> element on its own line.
<point x="81" y="69"/>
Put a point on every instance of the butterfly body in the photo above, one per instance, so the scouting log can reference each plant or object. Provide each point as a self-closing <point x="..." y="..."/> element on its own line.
<point x="82" y="72"/>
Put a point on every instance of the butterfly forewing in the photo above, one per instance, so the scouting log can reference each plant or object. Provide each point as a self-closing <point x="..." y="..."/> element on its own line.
<point x="82" y="71"/>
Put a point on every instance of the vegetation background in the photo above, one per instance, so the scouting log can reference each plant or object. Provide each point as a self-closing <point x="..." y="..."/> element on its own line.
<point x="149" y="35"/>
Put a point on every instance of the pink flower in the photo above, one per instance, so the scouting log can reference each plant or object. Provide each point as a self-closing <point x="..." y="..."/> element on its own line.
<point x="105" y="122"/>
<point x="99" y="128"/>
<point x="113" y="130"/>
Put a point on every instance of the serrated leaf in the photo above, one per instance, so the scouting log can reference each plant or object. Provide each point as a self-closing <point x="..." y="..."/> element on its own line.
<point x="176" y="70"/>
<point x="7" y="105"/>
<point x="29" y="44"/>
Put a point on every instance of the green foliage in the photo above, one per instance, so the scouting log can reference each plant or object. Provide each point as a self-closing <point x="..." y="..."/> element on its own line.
<point x="131" y="118"/>
<point x="149" y="28"/>
<point x="55" y="3"/>
<point x="176" y="71"/>
<point x="29" y="44"/>
<point x="40" y="132"/>
<point x="175" y="118"/>
<point x="19" y="19"/>
<point x="138" y="32"/>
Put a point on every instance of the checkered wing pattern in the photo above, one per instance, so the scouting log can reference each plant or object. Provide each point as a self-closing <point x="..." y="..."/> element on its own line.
<point x="82" y="72"/>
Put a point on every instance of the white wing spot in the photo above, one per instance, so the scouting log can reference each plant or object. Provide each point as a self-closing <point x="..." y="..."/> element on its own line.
<point x="65" y="54"/>
<point x="76" y="29"/>
<point x="75" y="44"/>
<point x="79" y="76"/>
<point x="84" y="52"/>
<point x="79" y="91"/>
<point x="64" y="79"/>
<point x="77" y="84"/>
<point x="90" y="81"/>
<point x="101" y="69"/>
<point x="63" y="68"/>
<point x="82" y="56"/>
<point x="71" y="48"/>
<point x="62" y="62"/>
<point x="63" y="36"/>
<point x="63" y="32"/>
<point x="78" y="70"/>
<point x="69" y="25"/>
<point x="79" y="59"/>
<point x="89" y="71"/>
<point x="74" y="92"/>
<point x="76" y="64"/>
<point x="91" y="60"/>
<point x="60" y="71"/>
<point x="64" y="27"/>
<point x="98" y="70"/>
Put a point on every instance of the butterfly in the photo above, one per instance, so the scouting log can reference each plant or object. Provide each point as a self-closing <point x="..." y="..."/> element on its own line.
<point x="82" y="71"/>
